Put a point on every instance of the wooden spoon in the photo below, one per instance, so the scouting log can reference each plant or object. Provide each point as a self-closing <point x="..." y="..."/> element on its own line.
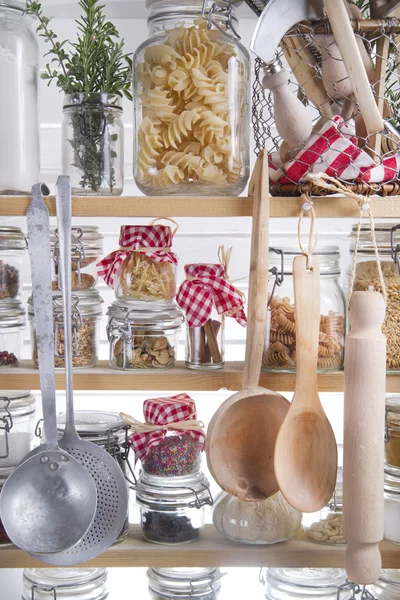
<point x="305" y="452"/>
<point x="242" y="433"/>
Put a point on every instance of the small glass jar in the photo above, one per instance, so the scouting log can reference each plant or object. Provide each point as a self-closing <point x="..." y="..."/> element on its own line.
<point x="93" y="144"/>
<point x="205" y="346"/>
<point x="4" y="539"/>
<point x="65" y="584"/>
<point x="303" y="584"/>
<point x="86" y="317"/>
<point x="267" y="522"/>
<point x="185" y="584"/>
<point x="86" y="250"/>
<point x="191" y="90"/>
<point x="176" y="455"/>
<point x="143" y="336"/>
<point x="392" y="505"/>
<point x="142" y="278"/>
<point x="366" y="277"/>
<point x="13" y="246"/>
<point x="172" y="509"/>
<point x="280" y="341"/>
<point x="12" y="324"/>
<point x="387" y="587"/>
<point x="19" y="120"/>
<point x="17" y="424"/>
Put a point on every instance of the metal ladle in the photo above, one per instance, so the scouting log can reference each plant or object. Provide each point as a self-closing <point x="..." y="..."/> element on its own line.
<point x="49" y="502"/>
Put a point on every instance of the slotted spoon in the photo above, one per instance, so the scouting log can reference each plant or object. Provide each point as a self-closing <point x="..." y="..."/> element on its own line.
<point x="112" y="491"/>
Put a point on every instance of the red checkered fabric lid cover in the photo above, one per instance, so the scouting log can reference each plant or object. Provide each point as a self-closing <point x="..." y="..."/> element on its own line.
<point x="162" y="411"/>
<point x="206" y="288"/>
<point x="154" y="241"/>
<point x="334" y="151"/>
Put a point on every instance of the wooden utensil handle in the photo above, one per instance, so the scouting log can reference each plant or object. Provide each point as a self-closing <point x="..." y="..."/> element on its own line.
<point x="364" y="415"/>
<point x="307" y="306"/>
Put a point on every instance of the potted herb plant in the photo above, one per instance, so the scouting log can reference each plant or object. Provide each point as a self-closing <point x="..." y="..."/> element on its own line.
<point x="94" y="73"/>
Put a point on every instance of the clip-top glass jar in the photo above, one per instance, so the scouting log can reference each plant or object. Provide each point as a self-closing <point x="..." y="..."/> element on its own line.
<point x="19" y="120"/>
<point x="12" y="249"/>
<point x="12" y="323"/>
<point x="387" y="587"/>
<point x="86" y="250"/>
<point x="172" y="509"/>
<point x="303" y="584"/>
<point x="280" y="342"/>
<point x="184" y="584"/>
<point x="65" y="584"/>
<point x="93" y="144"/>
<point x="191" y="90"/>
<point x="17" y="424"/>
<point x="392" y="504"/>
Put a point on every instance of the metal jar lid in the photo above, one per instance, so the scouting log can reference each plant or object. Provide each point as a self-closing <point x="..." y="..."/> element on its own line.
<point x="386" y="235"/>
<point x="166" y="493"/>
<point x="288" y="579"/>
<point x="185" y="583"/>
<point x="87" y="302"/>
<point x="85" y="584"/>
<point x="12" y="314"/>
<point x="12" y="238"/>
<point x="86" y="236"/>
<point x="159" y="316"/>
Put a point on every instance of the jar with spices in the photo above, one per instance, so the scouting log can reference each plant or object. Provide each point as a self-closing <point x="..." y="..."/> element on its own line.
<point x="4" y="474"/>
<point x="392" y="504"/>
<point x="170" y="442"/>
<point x="366" y="276"/>
<point x="19" y="121"/>
<point x="13" y="247"/>
<point x="387" y="587"/>
<point x="93" y="144"/>
<point x="185" y="584"/>
<point x="64" y="584"/>
<point x="86" y="249"/>
<point x="143" y="268"/>
<point x="303" y="584"/>
<point x="12" y="324"/>
<point x="17" y="424"/>
<point x="280" y="342"/>
<point x="172" y="509"/>
<point x="143" y="335"/>
<point x="191" y="90"/>
<point x="86" y="317"/>
<point x="266" y="522"/>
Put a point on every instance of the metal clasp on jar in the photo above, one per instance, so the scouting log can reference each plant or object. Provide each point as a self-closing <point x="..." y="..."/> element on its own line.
<point x="210" y="579"/>
<point x="59" y="324"/>
<point x="78" y="254"/>
<point x="224" y="11"/>
<point x="395" y="249"/>
<point x="356" y="590"/>
<point x="6" y="424"/>
<point x="279" y="274"/>
<point x="44" y="588"/>
<point x="199" y="502"/>
<point x="119" y="332"/>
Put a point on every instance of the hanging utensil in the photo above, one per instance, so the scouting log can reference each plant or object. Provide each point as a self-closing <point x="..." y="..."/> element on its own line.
<point x="48" y="503"/>
<point x="112" y="491"/>
<point x="305" y="451"/>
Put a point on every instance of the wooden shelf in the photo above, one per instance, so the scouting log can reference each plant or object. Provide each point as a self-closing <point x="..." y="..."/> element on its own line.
<point x="201" y="206"/>
<point x="211" y="550"/>
<point x="26" y="377"/>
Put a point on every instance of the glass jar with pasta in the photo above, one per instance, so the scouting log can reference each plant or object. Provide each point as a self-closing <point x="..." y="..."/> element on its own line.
<point x="280" y="340"/>
<point x="191" y="90"/>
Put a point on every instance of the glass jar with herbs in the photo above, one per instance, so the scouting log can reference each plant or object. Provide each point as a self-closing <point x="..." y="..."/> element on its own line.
<point x="303" y="584"/>
<point x="191" y="101"/>
<point x="13" y="247"/>
<point x="184" y="584"/>
<point x="12" y="324"/>
<point x="68" y="584"/>
<point x="17" y="424"/>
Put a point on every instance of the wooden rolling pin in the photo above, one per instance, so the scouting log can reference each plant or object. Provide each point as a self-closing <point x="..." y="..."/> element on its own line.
<point x="364" y="419"/>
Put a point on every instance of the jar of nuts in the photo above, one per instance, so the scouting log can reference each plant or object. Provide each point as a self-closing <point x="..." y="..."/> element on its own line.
<point x="280" y="341"/>
<point x="143" y="335"/>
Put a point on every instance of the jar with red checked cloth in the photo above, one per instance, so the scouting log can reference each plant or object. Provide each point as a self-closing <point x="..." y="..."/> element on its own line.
<point x="170" y="441"/>
<point x="144" y="267"/>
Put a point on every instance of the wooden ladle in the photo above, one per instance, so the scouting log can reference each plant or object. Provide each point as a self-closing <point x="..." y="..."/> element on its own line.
<point x="306" y="452"/>
<point x="242" y="433"/>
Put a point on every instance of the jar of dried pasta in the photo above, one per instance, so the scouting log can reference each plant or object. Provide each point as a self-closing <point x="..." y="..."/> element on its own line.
<point x="280" y="341"/>
<point x="144" y="267"/>
<point x="86" y="317"/>
<point x="366" y="276"/>
<point x="191" y="90"/>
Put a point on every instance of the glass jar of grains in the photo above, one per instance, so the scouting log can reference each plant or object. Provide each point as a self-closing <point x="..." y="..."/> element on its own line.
<point x="64" y="584"/>
<point x="303" y="584"/>
<point x="17" y="424"/>
<point x="191" y="101"/>
<point x="184" y="584"/>
<point x="12" y="324"/>
<point x="387" y="587"/>
<point x="280" y="341"/>
<point x="366" y="277"/>
<point x="86" y="317"/>
<point x="13" y="247"/>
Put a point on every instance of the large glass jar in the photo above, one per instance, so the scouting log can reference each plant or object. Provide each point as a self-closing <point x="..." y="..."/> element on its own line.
<point x="191" y="90"/>
<point x="266" y="522"/>
<point x="12" y="250"/>
<point x="17" y="424"/>
<point x="172" y="509"/>
<point x="303" y="584"/>
<point x="388" y="242"/>
<point x="388" y="585"/>
<point x="93" y="144"/>
<point x="86" y="317"/>
<point x="86" y="250"/>
<point x="280" y="341"/>
<point x="12" y="323"/>
<point x="143" y="336"/>
<point x="65" y="584"/>
<point x="184" y="584"/>
<point x="19" y="121"/>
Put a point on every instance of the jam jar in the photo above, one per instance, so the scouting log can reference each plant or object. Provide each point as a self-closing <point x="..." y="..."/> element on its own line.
<point x="17" y="424"/>
<point x="184" y="584"/>
<point x="65" y="584"/>
<point x="13" y="247"/>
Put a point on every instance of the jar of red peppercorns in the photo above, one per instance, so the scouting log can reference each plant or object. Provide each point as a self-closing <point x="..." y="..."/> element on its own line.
<point x="12" y="322"/>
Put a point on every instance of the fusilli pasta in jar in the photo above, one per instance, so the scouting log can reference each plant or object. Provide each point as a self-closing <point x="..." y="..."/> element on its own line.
<point x="191" y="104"/>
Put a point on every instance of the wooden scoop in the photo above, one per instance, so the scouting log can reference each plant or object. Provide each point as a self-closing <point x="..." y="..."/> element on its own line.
<point x="305" y="452"/>
<point x="242" y="433"/>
